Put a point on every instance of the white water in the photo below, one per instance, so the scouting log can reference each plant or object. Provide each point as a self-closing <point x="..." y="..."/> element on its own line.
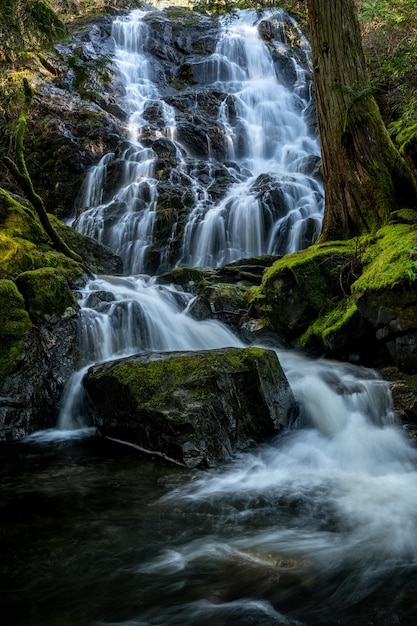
<point x="265" y="132"/>
<point x="336" y="494"/>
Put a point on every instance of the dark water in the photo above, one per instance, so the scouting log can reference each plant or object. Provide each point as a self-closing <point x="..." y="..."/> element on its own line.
<point x="96" y="534"/>
<point x="77" y="519"/>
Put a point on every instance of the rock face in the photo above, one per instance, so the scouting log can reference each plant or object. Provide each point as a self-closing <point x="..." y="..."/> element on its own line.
<point x="393" y="313"/>
<point x="30" y="393"/>
<point x="195" y="408"/>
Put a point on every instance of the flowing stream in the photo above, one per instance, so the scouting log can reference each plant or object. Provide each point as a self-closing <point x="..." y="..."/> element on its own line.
<point x="315" y="527"/>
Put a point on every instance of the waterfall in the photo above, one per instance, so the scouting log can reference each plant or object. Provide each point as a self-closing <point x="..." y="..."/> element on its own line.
<point x="270" y="202"/>
<point x="300" y="530"/>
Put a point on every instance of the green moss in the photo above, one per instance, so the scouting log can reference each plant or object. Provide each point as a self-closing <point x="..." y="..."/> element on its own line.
<point x="389" y="260"/>
<point x="14" y="324"/>
<point x="204" y="393"/>
<point x="329" y="324"/>
<point x="23" y="243"/>
<point x="152" y="383"/>
<point x="46" y="293"/>
<point x="189" y="276"/>
<point x="404" y="216"/>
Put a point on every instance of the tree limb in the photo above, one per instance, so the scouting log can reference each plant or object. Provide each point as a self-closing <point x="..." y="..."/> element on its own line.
<point x="21" y="175"/>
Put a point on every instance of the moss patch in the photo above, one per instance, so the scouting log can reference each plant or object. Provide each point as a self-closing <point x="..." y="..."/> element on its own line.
<point x="390" y="260"/>
<point x="154" y="381"/>
<point x="185" y="276"/>
<point x="24" y="244"/>
<point x="47" y="294"/>
<point x="326" y="328"/>
<point x="14" y="324"/>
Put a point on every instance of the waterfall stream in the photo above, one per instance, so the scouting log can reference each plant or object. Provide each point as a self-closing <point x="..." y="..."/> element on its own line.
<point x="315" y="527"/>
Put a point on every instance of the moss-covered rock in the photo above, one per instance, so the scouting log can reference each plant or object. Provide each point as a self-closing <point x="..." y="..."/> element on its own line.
<point x="35" y="287"/>
<point x="195" y="408"/>
<point x="300" y="288"/>
<point x="14" y="324"/>
<point x="355" y="299"/>
<point x="341" y="331"/>
<point x="47" y="294"/>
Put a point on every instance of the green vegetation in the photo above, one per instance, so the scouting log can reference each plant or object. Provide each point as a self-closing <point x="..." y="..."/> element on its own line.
<point x="23" y="242"/>
<point x="325" y="329"/>
<point x="47" y="294"/>
<point x="20" y="173"/>
<point x="14" y="324"/>
<point x="390" y="260"/>
<point x="26" y="25"/>
<point x="152" y="383"/>
<point x="310" y="297"/>
<point x="390" y="43"/>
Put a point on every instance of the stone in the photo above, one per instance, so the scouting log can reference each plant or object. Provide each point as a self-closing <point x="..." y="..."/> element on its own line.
<point x="393" y="314"/>
<point x="195" y="408"/>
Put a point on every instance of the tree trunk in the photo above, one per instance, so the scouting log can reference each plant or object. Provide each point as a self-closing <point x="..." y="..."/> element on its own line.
<point x="365" y="178"/>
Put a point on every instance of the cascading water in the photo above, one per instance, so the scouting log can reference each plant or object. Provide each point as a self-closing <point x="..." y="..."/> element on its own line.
<point x="265" y="142"/>
<point x="316" y="527"/>
<point x="266" y="138"/>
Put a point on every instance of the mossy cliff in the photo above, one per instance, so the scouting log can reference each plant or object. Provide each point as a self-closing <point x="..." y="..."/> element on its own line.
<point x="354" y="299"/>
<point x="195" y="408"/>
<point x="38" y="315"/>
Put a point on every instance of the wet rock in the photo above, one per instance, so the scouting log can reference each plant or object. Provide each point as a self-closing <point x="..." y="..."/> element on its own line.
<point x="71" y="135"/>
<point x="393" y="314"/>
<point x="195" y="408"/>
<point x="31" y="390"/>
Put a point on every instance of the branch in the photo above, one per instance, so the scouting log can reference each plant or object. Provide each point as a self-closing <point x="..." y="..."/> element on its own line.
<point x="21" y="175"/>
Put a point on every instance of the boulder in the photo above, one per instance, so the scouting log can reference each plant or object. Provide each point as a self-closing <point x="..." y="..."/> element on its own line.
<point x="195" y="408"/>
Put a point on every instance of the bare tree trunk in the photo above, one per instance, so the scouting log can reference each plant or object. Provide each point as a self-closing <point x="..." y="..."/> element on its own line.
<point x="365" y="178"/>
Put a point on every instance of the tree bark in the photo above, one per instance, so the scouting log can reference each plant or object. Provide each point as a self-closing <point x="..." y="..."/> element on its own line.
<point x="365" y="178"/>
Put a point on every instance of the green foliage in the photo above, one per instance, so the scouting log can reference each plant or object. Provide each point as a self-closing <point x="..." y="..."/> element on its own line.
<point x="222" y="7"/>
<point x="404" y="129"/>
<point x="85" y="72"/>
<point x="14" y="324"/>
<point x="25" y="26"/>
<point x="389" y="12"/>
<point x="389" y="28"/>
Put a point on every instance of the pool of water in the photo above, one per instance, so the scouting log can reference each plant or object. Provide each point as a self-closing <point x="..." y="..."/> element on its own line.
<point x="93" y="533"/>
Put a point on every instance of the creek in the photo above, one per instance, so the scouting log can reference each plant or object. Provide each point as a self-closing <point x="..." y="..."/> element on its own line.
<point x="317" y="526"/>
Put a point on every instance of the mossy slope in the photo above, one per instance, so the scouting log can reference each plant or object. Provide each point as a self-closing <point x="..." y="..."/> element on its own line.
<point x="329" y="298"/>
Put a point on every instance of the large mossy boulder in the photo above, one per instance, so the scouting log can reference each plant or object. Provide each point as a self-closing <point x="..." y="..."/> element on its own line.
<point x="195" y="408"/>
